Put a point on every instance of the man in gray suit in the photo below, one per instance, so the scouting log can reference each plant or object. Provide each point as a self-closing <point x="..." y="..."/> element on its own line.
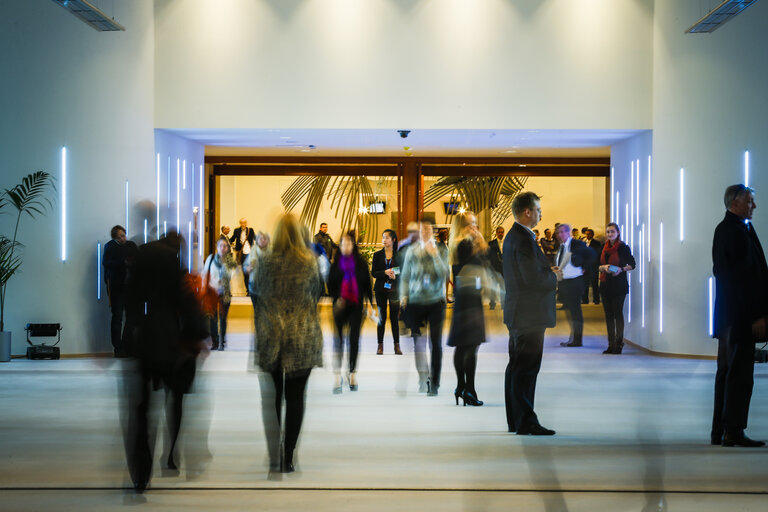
<point x="529" y="308"/>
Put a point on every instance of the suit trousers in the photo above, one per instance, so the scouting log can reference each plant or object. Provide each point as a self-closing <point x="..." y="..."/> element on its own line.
<point x="525" y="350"/>
<point x="118" y="332"/>
<point x="734" y="381"/>
<point x="382" y="298"/>
<point x="434" y="315"/>
<point x="571" y="291"/>
<point x="592" y="280"/>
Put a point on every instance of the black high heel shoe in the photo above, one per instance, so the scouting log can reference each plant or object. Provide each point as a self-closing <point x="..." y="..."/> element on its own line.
<point x="470" y="399"/>
<point x="458" y="394"/>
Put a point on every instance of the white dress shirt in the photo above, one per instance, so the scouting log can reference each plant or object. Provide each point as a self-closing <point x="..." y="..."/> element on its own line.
<point x="564" y="261"/>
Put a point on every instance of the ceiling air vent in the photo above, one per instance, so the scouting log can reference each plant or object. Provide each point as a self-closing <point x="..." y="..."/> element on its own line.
<point x="91" y="14"/>
<point x="719" y="15"/>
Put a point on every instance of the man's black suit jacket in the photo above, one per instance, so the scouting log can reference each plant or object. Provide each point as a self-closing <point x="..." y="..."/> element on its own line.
<point x="529" y="304"/>
<point x="494" y="255"/>
<point x="741" y="277"/>
<point x="581" y="255"/>
<point x="235" y="239"/>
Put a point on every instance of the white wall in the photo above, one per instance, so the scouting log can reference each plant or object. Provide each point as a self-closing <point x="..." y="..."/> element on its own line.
<point x="403" y="64"/>
<point x="65" y="84"/>
<point x="708" y="108"/>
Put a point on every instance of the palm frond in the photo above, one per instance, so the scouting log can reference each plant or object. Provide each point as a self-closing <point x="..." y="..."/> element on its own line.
<point x="29" y="195"/>
<point x="9" y="262"/>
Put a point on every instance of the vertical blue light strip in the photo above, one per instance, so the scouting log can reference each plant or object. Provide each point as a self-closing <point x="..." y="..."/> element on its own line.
<point x="618" y="208"/>
<point x="648" y="213"/>
<point x="64" y="203"/>
<point x="168" y="194"/>
<point x="642" y="276"/>
<point x="145" y="230"/>
<point x="184" y="175"/>
<point x="711" y="306"/>
<point x="613" y="216"/>
<point x="630" y="217"/>
<point x="637" y="192"/>
<point x="98" y="271"/>
<point x="126" y="209"/>
<point x="661" y="277"/>
<point x="682" y="203"/>
<point x="178" y="198"/>
<point x="746" y="168"/>
<point x="165" y="228"/>
<point x="157" y="204"/>
<point x="200" y="235"/>
<point x="189" y="248"/>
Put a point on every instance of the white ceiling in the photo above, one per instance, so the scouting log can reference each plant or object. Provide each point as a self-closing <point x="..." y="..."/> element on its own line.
<point x="287" y="142"/>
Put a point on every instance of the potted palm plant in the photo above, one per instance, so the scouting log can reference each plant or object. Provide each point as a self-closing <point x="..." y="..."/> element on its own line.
<point x="28" y="197"/>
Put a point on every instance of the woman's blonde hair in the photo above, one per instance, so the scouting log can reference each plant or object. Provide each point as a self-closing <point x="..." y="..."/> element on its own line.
<point x="460" y="230"/>
<point x="288" y="239"/>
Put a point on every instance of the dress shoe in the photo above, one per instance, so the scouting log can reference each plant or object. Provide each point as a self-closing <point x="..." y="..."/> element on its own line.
<point x="458" y="394"/>
<point x="535" y="430"/>
<point x="380" y="350"/>
<point x="511" y="430"/>
<point x="571" y="344"/>
<point x="398" y="352"/>
<point x="610" y="350"/>
<point x="352" y="379"/>
<point x="741" y="440"/>
<point x="716" y="438"/>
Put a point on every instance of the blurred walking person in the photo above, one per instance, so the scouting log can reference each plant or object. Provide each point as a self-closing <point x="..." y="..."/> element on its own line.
<point x="217" y="274"/>
<point x="289" y="342"/>
<point x="385" y="270"/>
<point x="469" y="264"/>
<point x="349" y="285"/>
<point x="422" y="294"/>
<point x="168" y="336"/>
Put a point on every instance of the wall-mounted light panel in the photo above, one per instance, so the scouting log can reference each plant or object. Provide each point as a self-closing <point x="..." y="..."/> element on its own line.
<point x="98" y="271"/>
<point x="157" y="203"/>
<point x="682" y="204"/>
<point x="746" y="168"/>
<point x="201" y="214"/>
<point x="711" y="305"/>
<point x="64" y="203"/>
<point x="661" y="277"/>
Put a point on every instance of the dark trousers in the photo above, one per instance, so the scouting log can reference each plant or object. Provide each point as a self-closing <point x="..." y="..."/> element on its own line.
<point x="613" y="305"/>
<point x="274" y="386"/>
<point x="434" y="315"/>
<point x="520" y="378"/>
<point x="571" y="291"/>
<point x="592" y="280"/>
<point x="382" y="298"/>
<point x="733" y="383"/>
<point x="350" y="315"/>
<point x="219" y="324"/>
<point x="465" y="364"/>
<point x="117" y="331"/>
<point x="140" y="432"/>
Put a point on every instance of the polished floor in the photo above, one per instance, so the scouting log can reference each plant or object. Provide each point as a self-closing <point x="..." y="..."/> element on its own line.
<point x="632" y="434"/>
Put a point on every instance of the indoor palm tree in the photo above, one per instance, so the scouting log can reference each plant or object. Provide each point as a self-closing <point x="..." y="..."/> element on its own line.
<point x="26" y="198"/>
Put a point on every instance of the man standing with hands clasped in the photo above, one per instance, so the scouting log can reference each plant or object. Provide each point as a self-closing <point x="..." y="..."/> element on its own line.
<point x="741" y="315"/>
<point x="529" y="308"/>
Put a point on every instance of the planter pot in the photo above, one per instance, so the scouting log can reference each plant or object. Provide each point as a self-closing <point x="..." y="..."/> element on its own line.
<point x="5" y="346"/>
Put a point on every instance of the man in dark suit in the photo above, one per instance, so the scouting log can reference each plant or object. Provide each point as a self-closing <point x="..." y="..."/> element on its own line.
<point x="529" y="308"/>
<point x="740" y="316"/>
<point x="115" y="272"/>
<point x="573" y="260"/>
<point x="244" y="239"/>
<point x="592" y="276"/>
<point x="495" y="248"/>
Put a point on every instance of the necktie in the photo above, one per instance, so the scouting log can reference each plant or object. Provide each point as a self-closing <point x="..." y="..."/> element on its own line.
<point x="560" y="255"/>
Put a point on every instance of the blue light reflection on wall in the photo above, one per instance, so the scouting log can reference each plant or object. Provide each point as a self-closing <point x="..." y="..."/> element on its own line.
<point x="98" y="271"/>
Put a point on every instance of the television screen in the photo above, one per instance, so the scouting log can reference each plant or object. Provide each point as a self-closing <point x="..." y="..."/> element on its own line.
<point x="377" y="207"/>
<point x="451" y="208"/>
